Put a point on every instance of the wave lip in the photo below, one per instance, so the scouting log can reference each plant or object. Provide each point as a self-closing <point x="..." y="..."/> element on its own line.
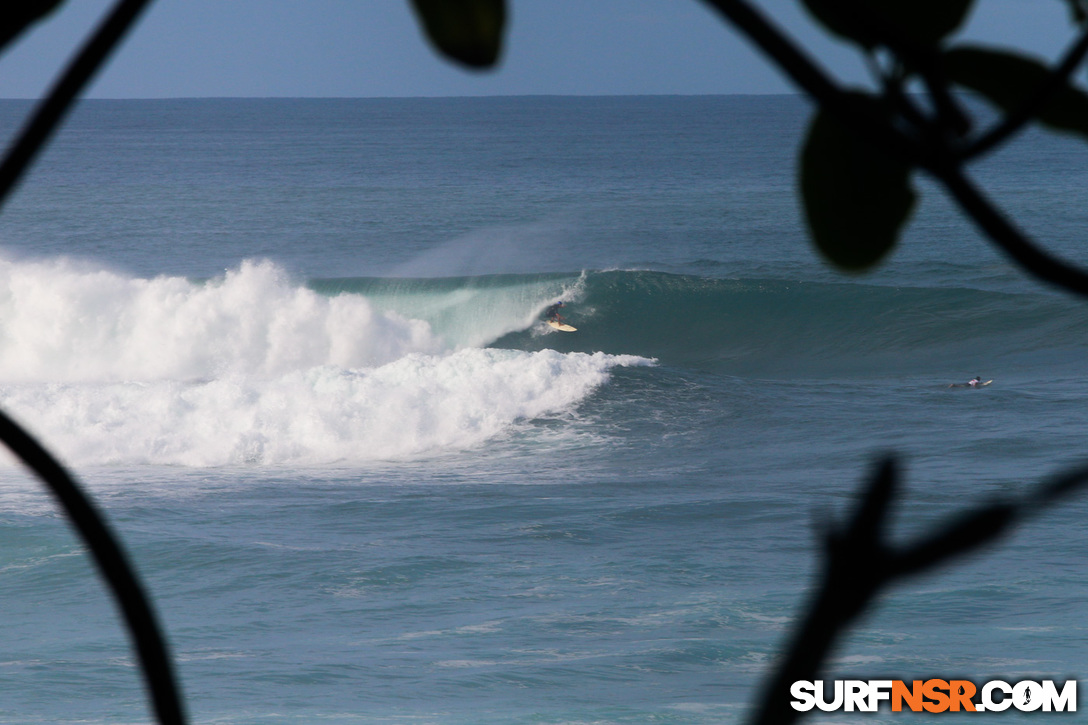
<point x="813" y="329"/>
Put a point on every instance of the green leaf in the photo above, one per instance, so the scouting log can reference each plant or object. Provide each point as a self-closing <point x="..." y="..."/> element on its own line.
<point x="875" y="22"/>
<point x="15" y="17"/>
<point x="466" y="31"/>
<point x="1009" y="81"/>
<point x="856" y="197"/>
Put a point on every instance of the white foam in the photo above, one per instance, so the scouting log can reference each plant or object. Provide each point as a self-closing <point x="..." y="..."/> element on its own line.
<point x="61" y="323"/>
<point x="416" y="405"/>
<point x="251" y="368"/>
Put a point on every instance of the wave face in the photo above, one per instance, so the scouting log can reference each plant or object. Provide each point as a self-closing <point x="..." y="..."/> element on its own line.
<point x="812" y="329"/>
<point x="253" y="368"/>
<point x="463" y="311"/>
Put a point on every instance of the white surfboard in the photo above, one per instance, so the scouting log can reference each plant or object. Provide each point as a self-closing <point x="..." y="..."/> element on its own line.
<point x="968" y="385"/>
<point x="561" y="326"/>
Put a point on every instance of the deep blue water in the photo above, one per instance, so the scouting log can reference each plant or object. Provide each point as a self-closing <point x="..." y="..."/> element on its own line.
<point x="294" y="349"/>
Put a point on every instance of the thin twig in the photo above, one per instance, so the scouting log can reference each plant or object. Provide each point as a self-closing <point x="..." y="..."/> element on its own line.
<point x="814" y="81"/>
<point x="953" y="118"/>
<point x="893" y="89"/>
<point x="108" y="555"/>
<point x="112" y="564"/>
<point x="52" y="110"/>
<point x="1006" y="236"/>
<point x="920" y="57"/>
<point x="933" y="157"/>
<point x="1014" y="121"/>
<point x="804" y="71"/>
<point x="859" y="564"/>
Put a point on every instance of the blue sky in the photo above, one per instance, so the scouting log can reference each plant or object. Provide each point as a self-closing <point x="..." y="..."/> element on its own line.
<point x="373" y="48"/>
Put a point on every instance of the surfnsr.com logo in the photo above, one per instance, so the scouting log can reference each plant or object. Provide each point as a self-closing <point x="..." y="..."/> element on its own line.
<point x="935" y="696"/>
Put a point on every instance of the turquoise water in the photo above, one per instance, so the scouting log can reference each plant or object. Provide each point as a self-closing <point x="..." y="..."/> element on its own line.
<point x="294" y="350"/>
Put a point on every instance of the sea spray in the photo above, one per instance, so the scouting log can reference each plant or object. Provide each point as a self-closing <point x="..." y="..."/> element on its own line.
<point x="466" y="311"/>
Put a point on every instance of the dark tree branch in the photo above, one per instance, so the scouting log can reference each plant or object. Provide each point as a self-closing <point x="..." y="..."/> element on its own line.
<point x="110" y="559"/>
<point x="935" y="155"/>
<point x="113" y="566"/>
<point x="908" y="109"/>
<point x="953" y="118"/>
<point x="859" y="564"/>
<point x="53" y="109"/>
<point x="20" y="16"/>
<point x="1013" y="122"/>
<point x="798" y="66"/>
<point x="921" y="58"/>
<point x="853" y="566"/>
<point x="1007" y="237"/>
<point x="808" y="76"/>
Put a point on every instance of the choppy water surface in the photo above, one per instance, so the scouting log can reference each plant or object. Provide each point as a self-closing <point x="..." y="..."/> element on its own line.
<point x="294" y="349"/>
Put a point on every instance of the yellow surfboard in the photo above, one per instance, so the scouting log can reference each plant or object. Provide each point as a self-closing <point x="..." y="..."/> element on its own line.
<point x="561" y="326"/>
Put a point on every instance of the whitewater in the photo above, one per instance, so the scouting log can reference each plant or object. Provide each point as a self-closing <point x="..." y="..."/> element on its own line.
<point x="254" y="368"/>
<point x="294" y="351"/>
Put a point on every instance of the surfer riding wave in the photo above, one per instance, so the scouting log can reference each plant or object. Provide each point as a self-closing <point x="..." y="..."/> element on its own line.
<point x="555" y="320"/>
<point x="552" y="313"/>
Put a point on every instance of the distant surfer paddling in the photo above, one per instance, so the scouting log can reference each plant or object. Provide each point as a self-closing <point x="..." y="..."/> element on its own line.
<point x="555" y="320"/>
<point x="975" y="382"/>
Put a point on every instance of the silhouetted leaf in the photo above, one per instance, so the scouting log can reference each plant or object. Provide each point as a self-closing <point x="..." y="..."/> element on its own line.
<point x="856" y="197"/>
<point x="15" y="17"/>
<point x="836" y="16"/>
<point x="872" y="22"/>
<point x="467" y="31"/>
<point x="1078" y="12"/>
<point x="1009" y="81"/>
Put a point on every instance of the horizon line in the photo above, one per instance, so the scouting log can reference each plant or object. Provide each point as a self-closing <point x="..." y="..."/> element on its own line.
<point x="406" y="98"/>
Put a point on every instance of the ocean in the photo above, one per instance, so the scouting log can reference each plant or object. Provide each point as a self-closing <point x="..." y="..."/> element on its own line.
<point x="294" y="350"/>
